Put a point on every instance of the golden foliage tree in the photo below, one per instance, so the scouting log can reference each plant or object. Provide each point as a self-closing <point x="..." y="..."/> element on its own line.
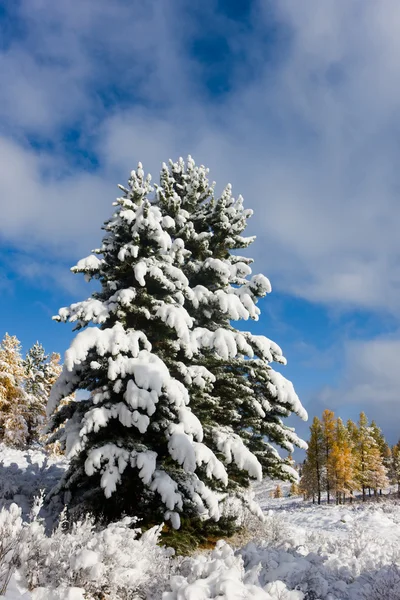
<point x="13" y="400"/>
<point x="341" y="463"/>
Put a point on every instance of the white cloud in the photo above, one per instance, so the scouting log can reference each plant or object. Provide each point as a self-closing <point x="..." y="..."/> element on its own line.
<point x="310" y="141"/>
<point x="59" y="215"/>
<point x="369" y="382"/>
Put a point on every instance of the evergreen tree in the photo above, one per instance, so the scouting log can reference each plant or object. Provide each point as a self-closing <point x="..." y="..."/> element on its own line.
<point x="40" y="373"/>
<point x="13" y="401"/>
<point x="312" y="474"/>
<point x="278" y="492"/>
<point x="158" y="435"/>
<point x="328" y="431"/>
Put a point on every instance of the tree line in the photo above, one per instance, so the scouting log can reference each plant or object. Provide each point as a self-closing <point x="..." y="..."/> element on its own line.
<point x="25" y="384"/>
<point x="346" y="458"/>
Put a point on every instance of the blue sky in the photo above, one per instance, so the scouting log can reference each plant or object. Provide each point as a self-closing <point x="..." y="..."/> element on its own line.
<point x="297" y="104"/>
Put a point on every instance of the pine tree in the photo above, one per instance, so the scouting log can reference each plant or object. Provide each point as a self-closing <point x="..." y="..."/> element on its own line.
<point x="40" y="373"/>
<point x="13" y="401"/>
<point x="278" y="492"/>
<point x="157" y="435"/>
<point x="311" y="481"/>
<point x="328" y="432"/>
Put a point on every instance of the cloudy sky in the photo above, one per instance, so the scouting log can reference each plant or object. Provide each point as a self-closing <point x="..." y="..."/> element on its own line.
<point x="296" y="103"/>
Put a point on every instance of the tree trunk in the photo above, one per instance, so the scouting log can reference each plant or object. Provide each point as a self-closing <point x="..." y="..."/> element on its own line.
<point x="363" y="493"/>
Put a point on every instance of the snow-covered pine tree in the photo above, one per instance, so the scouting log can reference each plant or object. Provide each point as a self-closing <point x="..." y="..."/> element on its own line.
<point x="244" y="400"/>
<point x="134" y="440"/>
<point x="13" y="400"/>
<point x="158" y="432"/>
<point x="40" y="373"/>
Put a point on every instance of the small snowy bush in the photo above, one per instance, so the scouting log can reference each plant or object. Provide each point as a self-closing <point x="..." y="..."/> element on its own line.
<point x="116" y="562"/>
<point x="221" y="574"/>
<point x="10" y="537"/>
<point x="383" y="585"/>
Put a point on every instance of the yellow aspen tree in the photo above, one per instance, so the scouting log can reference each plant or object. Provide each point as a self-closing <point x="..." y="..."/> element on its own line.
<point x="341" y="463"/>
<point x="13" y="407"/>
<point x="328" y="432"/>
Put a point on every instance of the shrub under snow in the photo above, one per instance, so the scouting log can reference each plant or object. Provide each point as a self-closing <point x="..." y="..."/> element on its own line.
<point x="116" y="562"/>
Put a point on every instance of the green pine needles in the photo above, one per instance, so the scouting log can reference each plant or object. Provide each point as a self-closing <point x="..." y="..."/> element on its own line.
<point x="183" y="410"/>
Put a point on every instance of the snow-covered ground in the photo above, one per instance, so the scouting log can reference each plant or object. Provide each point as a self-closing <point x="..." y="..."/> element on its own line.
<point x="301" y="551"/>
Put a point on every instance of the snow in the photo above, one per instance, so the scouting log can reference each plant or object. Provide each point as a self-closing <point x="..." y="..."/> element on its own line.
<point x="283" y="389"/>
<point x="301" y="551"/>
<point x="140" y="271"/>
<point x="177" y="318"/>
<point x="90" y="263"/>
<point x="232" y="446"/>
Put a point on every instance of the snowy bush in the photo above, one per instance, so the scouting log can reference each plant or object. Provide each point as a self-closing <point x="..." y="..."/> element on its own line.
<point x="10" y="537"/>
<point x="384" y="585"/>
<point x="116" y="562"/>
<point x="221" y="574"/>
<point x="346" y="561"/>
